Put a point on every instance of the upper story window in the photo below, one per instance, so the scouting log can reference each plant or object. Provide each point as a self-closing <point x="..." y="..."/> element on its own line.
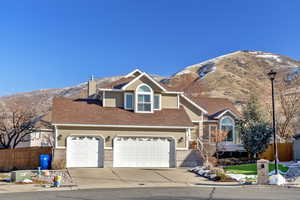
<point x="128" y="101"/>
<point x="157" y="102"/>
<point x="227" y="124"/>
<point x="144" y="96"/>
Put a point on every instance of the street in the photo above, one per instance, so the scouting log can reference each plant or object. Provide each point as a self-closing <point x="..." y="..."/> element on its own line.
<point x="175" y="193"/>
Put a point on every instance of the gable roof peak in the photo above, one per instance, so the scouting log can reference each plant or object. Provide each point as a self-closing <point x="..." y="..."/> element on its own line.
<point x="149" y="77"/>
<point x="135" y="73"/>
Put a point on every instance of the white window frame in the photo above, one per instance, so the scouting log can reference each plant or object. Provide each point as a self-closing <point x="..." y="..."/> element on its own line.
<point x="144" y="93"/>
<point x="125" y="101"/>
<point x="159" y="97"/>
<point x="233" y="130"/>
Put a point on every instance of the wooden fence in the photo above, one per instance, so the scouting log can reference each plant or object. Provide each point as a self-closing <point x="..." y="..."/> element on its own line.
<point x="21" y="158"/>
<point x="285" y="152"/>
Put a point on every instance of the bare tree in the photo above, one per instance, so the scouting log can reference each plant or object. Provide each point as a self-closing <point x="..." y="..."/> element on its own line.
<point x="214" y="147"/>
<point x="288" y="108"/>
<point x="207" y="150"/>
<point x="218" y="137"/>
<point x="16" y="124"/>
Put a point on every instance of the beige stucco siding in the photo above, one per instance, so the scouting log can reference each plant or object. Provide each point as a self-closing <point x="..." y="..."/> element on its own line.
<point x="195" y="132"/>
<point x="63" y="132"/>
<point x="114" y="99"/>
<point x="143" y="80"/>
<point x="194" y="113"/>
<point x="169" y="101"/>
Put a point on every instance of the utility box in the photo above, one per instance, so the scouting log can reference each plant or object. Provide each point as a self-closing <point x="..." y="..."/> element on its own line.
<point x="262" y="172"/>
<point x="21" y="175"/>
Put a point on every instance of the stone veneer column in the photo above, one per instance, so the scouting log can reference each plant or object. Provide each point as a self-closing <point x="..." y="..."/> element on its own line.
<point x="59" y="159"/>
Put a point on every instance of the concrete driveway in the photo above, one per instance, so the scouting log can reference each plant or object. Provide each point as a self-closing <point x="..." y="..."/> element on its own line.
<point x="132" y="177"/>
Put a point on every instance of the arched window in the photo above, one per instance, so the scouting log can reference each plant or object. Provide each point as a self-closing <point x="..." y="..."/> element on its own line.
<point x="144" y="98"/>
<point x="227" y="124"/>
<point x="144" y="88"/>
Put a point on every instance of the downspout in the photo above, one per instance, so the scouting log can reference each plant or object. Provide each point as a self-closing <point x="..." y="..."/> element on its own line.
<point x="55" y="136"/>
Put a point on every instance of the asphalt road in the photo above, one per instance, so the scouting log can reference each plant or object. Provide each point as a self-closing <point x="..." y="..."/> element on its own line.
<point x="182" y="193"/>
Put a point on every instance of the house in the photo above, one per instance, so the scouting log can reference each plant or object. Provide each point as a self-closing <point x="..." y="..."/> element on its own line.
<point x="42" y="136"/>
<point x="136" y="122"/>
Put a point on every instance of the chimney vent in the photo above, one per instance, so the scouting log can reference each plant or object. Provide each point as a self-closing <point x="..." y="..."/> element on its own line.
<point x="92" y="88"/>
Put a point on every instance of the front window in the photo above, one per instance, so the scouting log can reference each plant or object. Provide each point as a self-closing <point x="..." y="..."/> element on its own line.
<point x="144" y="102"/>
<point x="156" y="102"/>
<point x="227" y="124"/>
<point x="128" y="101"/>
<point x="144" y="99"/>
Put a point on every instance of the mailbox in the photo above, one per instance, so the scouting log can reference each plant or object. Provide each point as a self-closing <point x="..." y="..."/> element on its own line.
<point x="262" y="172"/>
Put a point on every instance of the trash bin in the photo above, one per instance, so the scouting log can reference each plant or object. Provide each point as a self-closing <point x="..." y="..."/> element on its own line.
<point x="45" y="161"/>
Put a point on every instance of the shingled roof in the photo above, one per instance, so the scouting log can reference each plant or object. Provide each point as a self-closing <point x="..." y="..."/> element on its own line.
<point x="87" y="111"/>
<point x="118" y="84"/>
<point x="215" y="106"/>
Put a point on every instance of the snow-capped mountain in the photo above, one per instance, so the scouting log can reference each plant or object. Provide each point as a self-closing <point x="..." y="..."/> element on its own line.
<point x="233" y="76"/>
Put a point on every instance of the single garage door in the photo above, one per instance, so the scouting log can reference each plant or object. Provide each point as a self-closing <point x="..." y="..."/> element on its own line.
<point x="85" y="151"/>
<point x="143" y="152"/>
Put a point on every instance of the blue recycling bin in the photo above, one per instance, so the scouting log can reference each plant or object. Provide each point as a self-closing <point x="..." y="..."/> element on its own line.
<point x="45" y="161"/>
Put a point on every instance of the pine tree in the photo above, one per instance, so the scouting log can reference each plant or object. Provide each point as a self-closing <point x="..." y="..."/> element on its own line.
<point x="255" y="131"/>
<point x="251" y="112"/>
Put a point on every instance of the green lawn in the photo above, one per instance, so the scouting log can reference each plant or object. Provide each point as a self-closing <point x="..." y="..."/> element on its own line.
<point x="250" y="169"/>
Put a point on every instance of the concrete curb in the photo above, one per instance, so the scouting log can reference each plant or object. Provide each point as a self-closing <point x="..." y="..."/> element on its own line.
<point x="34" y="188"/>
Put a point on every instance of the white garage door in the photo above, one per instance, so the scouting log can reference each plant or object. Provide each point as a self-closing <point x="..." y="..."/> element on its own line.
<point x="84" y="151"/>
<point x="143" y="152"/>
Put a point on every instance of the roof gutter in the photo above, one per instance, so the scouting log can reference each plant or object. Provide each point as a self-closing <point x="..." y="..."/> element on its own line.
<point x="122" y="126"/>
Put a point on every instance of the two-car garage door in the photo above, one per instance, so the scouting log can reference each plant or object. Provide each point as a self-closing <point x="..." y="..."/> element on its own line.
<point x="143" y="152"/>
<point x="88" y="151"/>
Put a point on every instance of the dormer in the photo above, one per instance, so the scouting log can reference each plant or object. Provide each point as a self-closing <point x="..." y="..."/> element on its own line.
<point x="140" y="93"/>
<point x="146" y="101"/>
<point x="143" y="94"/>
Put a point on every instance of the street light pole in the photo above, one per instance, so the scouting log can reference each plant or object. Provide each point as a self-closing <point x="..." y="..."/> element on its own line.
<point x="272" y="75"/>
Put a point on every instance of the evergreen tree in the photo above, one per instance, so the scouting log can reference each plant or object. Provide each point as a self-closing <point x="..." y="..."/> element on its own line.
<point x="254" y="130"/>
<point x="251" y="112"/>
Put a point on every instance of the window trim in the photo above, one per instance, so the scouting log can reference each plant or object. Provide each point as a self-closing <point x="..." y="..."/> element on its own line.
<point x="210" y="132"/>
<point x="233" y="130"/>
<point x="159" y="105"/>
<point x="125" y="101"/>
<point x="143" y="93"/>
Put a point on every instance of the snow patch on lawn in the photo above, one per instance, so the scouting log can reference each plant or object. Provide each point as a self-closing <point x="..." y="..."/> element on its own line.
<point x="241" y="177"/>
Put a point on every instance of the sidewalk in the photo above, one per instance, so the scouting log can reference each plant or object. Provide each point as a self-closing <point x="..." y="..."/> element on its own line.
<point x="128" y="178"/>
<point x="11" y="188"/>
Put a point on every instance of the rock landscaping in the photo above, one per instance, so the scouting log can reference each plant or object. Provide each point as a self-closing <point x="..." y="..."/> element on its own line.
<point x="293" y="174"/>
<point x="290" y="173"/>
<point x="214" y="174"/>
<point x="44" y="177"/>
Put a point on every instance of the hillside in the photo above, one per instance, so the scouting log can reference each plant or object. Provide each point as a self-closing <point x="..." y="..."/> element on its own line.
<point x="42" y="99"/>
<point x="233" y="76"/>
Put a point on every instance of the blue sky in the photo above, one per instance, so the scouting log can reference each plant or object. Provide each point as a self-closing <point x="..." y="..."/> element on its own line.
<point x="59" y="43"/>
